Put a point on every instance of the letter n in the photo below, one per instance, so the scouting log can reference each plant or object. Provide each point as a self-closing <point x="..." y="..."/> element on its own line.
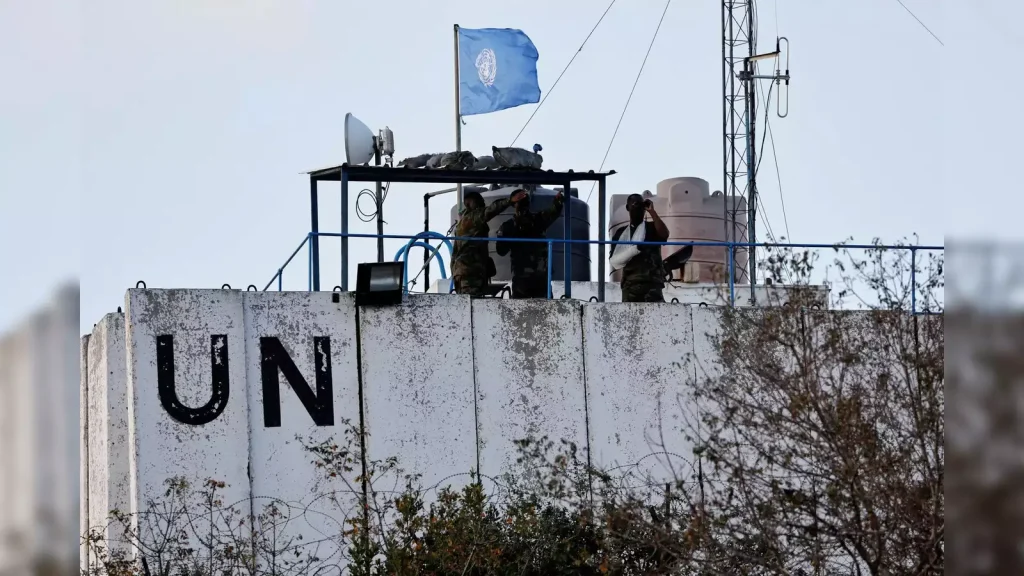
<point x="169" y="394"/>
<point x="274" y="358"/>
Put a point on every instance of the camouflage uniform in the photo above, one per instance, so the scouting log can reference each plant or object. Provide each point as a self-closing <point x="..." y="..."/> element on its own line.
<point x="643" y="277"/>
<point x="470" y="258"/>
<point x="529" y="259"/>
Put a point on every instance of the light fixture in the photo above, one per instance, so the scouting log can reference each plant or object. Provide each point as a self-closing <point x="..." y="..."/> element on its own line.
<point x="361" y="145"/>
<point x="379" y="283"/>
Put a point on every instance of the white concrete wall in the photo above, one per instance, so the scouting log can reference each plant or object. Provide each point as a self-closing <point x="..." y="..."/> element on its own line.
<point x="676" y="292"/>
<point x="444" y="384"/>
<point x="83" y="452"/>
<point x="208" y="331"/>
<point x="317" y="334"/>
<point x="529" y="377"/>
<point x="107" y="412"/>
<point x="418" y="390"/>
<point x="639" y="371"/>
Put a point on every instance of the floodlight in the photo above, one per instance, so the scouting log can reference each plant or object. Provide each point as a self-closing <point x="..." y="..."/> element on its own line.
<point x="379" y="283"/>
<point x="359" y="142"/>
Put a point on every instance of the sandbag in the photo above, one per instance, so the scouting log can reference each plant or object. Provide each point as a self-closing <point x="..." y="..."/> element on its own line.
<point x="416" y="161"/>
<point x="486" y="163"/>
<point x="463" y="160"/>
<point x="517" y="158"/>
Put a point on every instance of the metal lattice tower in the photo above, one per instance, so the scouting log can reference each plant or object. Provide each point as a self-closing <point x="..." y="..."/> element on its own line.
<point x="738" y="44"/>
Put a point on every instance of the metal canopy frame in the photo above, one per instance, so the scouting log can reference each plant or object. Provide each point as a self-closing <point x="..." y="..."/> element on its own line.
<point x="365" y="173"/>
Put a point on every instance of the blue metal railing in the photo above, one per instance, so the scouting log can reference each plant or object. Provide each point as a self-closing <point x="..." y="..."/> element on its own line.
<point x="415" y="240"/>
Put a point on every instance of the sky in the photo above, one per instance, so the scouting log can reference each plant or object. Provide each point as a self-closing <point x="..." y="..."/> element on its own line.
<point x="164" y="141"/>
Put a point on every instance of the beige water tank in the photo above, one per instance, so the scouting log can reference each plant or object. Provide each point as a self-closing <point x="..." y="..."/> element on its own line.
<point x="692" y="212"/>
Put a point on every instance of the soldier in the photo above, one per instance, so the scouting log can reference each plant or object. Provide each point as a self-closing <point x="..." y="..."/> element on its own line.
<point x="529" y="259"/>
<point x="472" y="267"/>
<point x="643" y="271"/>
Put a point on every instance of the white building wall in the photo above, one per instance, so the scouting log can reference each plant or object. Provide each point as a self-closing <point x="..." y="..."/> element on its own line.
<point x="107" y="411"/>
<point x="318" y="336"/>
<point x="529" y="377"/>
<point x="442" y="383"/>
<point x="207" y="329"/>
<point x="418" y="390"/>
<point x="83" y="453"/>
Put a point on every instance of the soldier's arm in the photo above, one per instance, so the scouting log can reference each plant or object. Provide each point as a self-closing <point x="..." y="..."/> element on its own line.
<point x="659" y="226"/>
<point x="551" y="213"/>
<point x="615" y="238"/>
<point x="497" y="207"/>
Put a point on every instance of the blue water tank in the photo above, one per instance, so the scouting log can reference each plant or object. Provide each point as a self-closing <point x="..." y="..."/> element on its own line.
<point x="541" y="198"/>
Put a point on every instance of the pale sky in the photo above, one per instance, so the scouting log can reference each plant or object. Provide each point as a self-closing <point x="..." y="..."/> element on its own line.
<point x="163" y="140"/>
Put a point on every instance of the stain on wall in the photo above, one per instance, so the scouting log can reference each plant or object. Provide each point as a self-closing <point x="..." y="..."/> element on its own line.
<point x="529" y="377"/>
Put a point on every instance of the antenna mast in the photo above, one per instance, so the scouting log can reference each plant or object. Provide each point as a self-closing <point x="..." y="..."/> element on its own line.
<point x="737" y="45"/>
<point x="739" y="154"/>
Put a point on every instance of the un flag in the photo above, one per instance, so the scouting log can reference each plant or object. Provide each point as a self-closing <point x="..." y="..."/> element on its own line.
<point x="497" y="70"/>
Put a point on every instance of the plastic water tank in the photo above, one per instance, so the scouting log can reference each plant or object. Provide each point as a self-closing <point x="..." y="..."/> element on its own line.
<point x="542" y="198"/>
<point x="691" y="212"/>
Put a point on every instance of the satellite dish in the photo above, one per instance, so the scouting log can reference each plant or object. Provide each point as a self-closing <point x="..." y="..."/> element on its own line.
<point x="359" y="144"/>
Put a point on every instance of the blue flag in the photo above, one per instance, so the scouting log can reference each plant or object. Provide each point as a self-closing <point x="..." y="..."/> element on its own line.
<point x="497" y="70"/>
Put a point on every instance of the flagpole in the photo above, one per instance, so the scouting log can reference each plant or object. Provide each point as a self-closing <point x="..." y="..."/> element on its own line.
<point x="458" y="117"/>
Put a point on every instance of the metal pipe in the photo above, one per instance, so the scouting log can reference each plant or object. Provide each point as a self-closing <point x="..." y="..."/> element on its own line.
<point x="726" y="189"/>
<point x="601" y="232"/>
<point x="380" y="208"/>
<point x="458" y="113"/>
<point x="314" y="227"/>
<point x="732" y="277"/>
<point x="550" y="256"/>
<point x="749" y="94"/>
<point x="567" y="235"/>
<point x="450" y="190"/>
<point x="344" y="232"/>
<point x="426" y="253"/>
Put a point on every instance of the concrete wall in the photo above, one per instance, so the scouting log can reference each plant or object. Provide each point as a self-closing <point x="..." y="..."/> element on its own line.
<point x="675" y="292"/>
<point x="108" y="427"/>
<point x="418" y="389"/>
<point x="442" y="383"/>
<point x="40" y="442"/>
<point x="529" y="368"/>
<point x="317" y="336"/>
<point x="83" y="451"/>
<point x="188" y="407"/>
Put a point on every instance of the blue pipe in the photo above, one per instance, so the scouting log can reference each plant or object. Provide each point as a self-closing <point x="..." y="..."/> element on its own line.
<point x="435" y="236"/>
<point x="403" y="253"/>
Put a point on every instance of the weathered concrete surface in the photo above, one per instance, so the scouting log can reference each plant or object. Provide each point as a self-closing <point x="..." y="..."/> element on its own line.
<point x="418" y="392"/>
<point x="83" y="451"/>
<point x="208" y="334"/>
<point x="639" y="366"/>
<point x="529" y="375"/>
<point x="318" y="336"/>
<point x="675" y="292"/>
<point x="447" y="385"/>
<point x="109" y="448"/>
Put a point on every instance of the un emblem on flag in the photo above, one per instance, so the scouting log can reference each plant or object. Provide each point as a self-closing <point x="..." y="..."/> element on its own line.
<point x="486" y="66"/>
